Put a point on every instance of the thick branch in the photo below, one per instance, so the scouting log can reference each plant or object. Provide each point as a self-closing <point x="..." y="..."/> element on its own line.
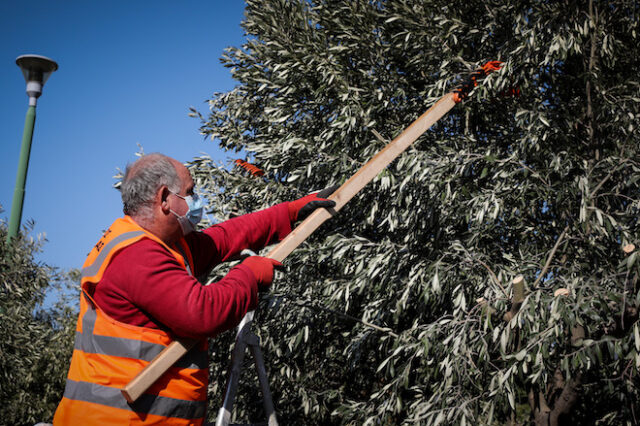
<point x="566" y="401"/>
<point x="539" y="408"/>
<point x="517" y="299"/>
<point x="563" y="396"/>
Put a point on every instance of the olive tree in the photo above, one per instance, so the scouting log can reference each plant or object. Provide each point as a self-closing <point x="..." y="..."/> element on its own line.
<point x="36" y="341"/>
<point x="403" y="308"/>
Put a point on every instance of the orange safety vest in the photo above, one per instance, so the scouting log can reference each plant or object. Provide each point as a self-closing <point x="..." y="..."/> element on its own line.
<point x="108" y="354"/>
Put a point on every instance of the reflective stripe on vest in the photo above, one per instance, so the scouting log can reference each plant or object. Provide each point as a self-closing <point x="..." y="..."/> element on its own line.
<point x="94" y="268"/>
<point x="128" y="348"/>
<point x="147" y="404"/>
<point x="108" y="354"/>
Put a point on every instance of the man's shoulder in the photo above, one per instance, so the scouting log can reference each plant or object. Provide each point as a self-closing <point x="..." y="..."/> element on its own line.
<point x="145" y="246"/>
<point x="145" y="251"/>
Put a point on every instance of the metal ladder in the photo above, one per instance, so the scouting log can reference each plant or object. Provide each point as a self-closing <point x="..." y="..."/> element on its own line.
<point x="246" y="337"/>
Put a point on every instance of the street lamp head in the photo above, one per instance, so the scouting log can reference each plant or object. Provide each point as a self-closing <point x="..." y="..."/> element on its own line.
<point x="36" y="70"/>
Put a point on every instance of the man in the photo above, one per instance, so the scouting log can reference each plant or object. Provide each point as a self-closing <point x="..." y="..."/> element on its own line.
<point x="139" y="293"/>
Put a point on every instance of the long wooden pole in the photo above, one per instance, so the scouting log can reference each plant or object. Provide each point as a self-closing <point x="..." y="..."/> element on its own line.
<point x="163" y="361"/>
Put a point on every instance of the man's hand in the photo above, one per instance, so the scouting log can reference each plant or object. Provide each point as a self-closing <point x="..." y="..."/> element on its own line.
<point x="303" y="207"/>
<point x="262" y="268"/>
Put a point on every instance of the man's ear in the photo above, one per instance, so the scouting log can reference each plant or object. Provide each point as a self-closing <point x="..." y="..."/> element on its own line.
<point x="163" y="195"/>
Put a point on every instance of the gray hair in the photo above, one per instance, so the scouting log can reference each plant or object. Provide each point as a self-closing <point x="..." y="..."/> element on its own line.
<point x="143" y="178"/>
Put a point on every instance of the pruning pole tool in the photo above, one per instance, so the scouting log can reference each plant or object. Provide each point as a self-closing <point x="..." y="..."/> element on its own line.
<point x="165" y="359"/>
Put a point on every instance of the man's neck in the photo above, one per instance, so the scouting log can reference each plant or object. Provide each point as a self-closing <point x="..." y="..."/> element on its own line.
<point x="157" y="228"/>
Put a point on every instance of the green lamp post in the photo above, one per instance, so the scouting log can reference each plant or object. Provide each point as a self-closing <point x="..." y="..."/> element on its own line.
<point x="36" y="70"/>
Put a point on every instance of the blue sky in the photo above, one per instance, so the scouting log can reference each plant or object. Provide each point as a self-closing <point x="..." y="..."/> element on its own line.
<point x="128" y="73"/>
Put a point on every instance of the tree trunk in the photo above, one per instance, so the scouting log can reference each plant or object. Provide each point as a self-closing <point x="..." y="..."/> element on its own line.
<point x="561" y="405"/>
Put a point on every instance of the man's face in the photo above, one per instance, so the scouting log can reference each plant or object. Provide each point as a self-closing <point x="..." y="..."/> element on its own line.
<point x="186" y="187"/>
<point x="177" y="204"/>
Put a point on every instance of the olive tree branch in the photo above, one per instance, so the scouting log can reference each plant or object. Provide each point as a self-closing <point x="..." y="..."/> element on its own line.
<point x="311" y="305"/>
<point x="550" y="258"/>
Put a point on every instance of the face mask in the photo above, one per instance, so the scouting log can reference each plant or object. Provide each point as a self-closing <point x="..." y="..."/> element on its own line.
<point x="193" y="216"/>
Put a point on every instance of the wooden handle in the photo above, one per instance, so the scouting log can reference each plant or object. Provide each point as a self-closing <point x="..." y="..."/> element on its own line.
<point x="346" y="192"/>
<point x="363" y="176"/>
<point x="156" y="368"/>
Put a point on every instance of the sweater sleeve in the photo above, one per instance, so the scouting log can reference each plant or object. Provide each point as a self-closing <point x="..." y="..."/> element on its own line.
<point x="223" y="241"/>
<point x="145" y="285"/>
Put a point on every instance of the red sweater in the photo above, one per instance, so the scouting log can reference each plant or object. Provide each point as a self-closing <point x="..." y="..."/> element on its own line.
<point x="144" y="285"/>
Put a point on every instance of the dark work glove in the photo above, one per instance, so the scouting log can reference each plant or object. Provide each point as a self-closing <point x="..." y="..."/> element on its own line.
<point x="303" y="207"/>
